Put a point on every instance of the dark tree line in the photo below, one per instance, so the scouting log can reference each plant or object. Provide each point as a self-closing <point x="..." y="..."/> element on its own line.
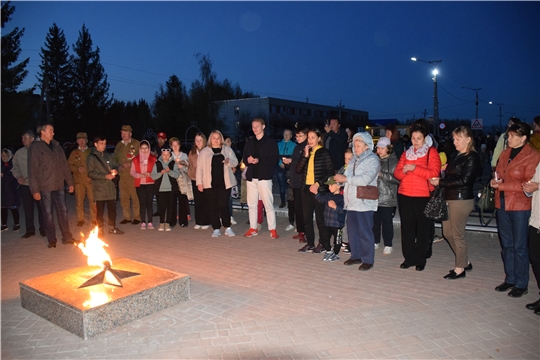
<point x="74" y="93"/>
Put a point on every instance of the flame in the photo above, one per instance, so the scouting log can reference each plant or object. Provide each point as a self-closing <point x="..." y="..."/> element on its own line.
<point x="97" y="298"/>
<point x="94" y="249"/>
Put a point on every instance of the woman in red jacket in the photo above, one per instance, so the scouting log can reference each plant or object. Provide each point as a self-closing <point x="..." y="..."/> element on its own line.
<point x="141" y="168"/>
<point x="415" y="167"/>
<point x="516" y="166"/>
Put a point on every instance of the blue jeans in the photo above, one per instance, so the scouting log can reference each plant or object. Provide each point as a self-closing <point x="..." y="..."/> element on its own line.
<point x="513" y="234"/>
<point x="281" y="175"/>
<point x="361" y="238"/>
<point x="56" y="199"/>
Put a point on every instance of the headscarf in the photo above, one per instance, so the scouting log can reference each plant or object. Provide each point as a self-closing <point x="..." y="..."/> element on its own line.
<point x="143" y="157"/>
<point x="366" y="138"/>
<point x="10" y="154"/>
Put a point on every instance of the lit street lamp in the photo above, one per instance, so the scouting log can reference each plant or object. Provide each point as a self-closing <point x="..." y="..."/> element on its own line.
<point x="476" y="102"/>
<point x="500" y="115"/>
<point x="434" y="63"/>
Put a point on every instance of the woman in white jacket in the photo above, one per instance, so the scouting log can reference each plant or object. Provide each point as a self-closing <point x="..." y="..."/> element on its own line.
<point x="215" y="179"/>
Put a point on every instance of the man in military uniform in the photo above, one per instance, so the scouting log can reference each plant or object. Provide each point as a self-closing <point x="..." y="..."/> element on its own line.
<point x="83" y="184"/>
<point x="124" y="153"/>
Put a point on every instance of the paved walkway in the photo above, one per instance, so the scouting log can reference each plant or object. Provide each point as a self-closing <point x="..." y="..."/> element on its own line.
<point x="259" y="298"/>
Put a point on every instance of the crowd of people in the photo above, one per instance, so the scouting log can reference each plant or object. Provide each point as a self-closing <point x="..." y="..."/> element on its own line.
<point x="345" y="183"/>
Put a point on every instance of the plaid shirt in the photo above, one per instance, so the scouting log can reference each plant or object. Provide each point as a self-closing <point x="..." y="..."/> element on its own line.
<point x="333" y="217"/>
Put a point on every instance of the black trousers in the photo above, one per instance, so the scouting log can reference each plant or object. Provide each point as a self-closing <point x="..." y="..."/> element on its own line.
<point x="534" y="252"/>
<point x="145" y="193"/>
<point x="309" y="205"/>
<point x="201" y="210"/>
<point x="28" y="204"/>
<point x="416" y="229"/>
<point x="14" y="213"/>
<point x="383" y="218"/>
<point x="111" y="212"/>
<point x="180" y="209"/>
<point x="298" y="210"/>
<point x="219" y="210"/>
<point x="326" y="235"/>
<point x="165" y="206"/>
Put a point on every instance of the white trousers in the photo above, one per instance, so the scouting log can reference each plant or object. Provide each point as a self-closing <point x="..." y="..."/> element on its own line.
<point x="263" y="189"/>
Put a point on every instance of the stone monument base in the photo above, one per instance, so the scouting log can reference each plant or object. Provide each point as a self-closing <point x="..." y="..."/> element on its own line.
<point x="92" y="310"/>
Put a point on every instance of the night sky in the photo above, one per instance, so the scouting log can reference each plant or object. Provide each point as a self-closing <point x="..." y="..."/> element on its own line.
<point x="326" y="52"/>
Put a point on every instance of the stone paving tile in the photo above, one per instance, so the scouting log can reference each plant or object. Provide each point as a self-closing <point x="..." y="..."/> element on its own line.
<point x="260" y="298"/>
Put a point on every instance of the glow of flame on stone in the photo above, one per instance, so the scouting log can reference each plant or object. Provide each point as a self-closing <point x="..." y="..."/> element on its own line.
<point x="94" y="249"/>
<point x="97" y="298"/>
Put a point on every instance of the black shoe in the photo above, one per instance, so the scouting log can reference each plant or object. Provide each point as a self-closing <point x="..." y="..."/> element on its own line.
<point x="352" y="262"/>
<point x="468" y="267"/>
<point x="125" y="221"/>
<point x="282" y="205"/>
<point x="504" y="286"/>
<point x="365" y="267"/>
<point x="80" y="223"/>
<point x="115" y="231"/>
<point x="517" y="292"/>
<point x="42" y="233"/>
<point x="28" y="235"/>
<point x="420" y="267"/>
<point x="16" y="227"/>
<point x="72" y="241"/>
<point x="52" y="245"/>
<point x="404" y="266"/>
<point x="533" y="306"/>
<point x="537" y="311"/>
<point x="135" y="222"/>
<point x="453" y="276"/>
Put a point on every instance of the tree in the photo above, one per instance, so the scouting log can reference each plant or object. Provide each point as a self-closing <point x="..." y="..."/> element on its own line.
<point x="54" y="77"/>
<point x="170" y="107"/>
<point x="12" y="76"/>
<point x="89" y="86"/>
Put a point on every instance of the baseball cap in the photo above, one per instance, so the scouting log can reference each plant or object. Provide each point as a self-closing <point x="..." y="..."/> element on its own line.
<point x="127" y="128"/>
<point x="82" y="135"/>
<point x="383" y="142"/>
<point x="161" y="135"/>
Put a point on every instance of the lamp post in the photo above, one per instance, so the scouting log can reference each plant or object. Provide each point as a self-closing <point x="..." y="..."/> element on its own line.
<point x="433" y="63"/>
<point x="500" y="114"/>
<point x="476" y="102"/>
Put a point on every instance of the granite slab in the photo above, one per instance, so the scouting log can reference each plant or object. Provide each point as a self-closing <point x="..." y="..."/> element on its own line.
<point x="92" y="310"/>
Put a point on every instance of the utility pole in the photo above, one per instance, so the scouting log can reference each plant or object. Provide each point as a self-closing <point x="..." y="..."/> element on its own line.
<point x="476" y="102"/>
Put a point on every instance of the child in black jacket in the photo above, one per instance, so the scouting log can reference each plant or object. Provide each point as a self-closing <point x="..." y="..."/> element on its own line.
<point x="334" y="219"/>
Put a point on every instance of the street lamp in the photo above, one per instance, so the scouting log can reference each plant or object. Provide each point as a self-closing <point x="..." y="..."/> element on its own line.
<point x="433" y="63"/>
<point x="476" y="102"/>
<point x="500" y="114"/>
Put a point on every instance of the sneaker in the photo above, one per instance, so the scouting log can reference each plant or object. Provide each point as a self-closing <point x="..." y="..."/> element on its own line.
<point x="318" y="249"/>
<point x="327" y="255"/>
<point x="233" y="222"/>
<point x="143" y="226"/>
<point x="333" y="257"/>
<point x="387" y="250"/>
<point x="376" y="246"/>
<point x="216" y="233"/>
<point x="273" y="234"/>
<point x="437" y="238"/>
<point x="307" y="249"/>
<point x="289" y="227"/>
<point x="167" y="227"/>
<point x="197" y="227"/>
<point x="251" y="232"/>
<point x="300" y="235"/>
<point x="205" y="227"/>
<point x="4" y="227"/>
<point x="16" y="227"/>
<point x="161" y="227"/>
<point x="347" y="250"/>
<point x="150" y="226"/>
<point x="115" y="231"/>
<point x="229" y="232"/>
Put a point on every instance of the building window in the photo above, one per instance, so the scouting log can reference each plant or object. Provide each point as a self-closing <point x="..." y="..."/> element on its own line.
<point x="296" y="111"/>
<point x="273" y="109"/>
<point x="325" y="114"/>
<point x="237" y="110"/>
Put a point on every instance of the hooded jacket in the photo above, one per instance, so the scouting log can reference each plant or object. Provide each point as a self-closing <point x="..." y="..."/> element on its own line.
<point x="361" y="171"/>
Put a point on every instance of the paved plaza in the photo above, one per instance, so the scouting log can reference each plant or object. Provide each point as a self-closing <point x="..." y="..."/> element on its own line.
<point x="259" y="298"/>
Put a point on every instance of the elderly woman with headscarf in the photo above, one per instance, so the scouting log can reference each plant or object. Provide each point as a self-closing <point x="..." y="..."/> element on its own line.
<point x="416" y="166"/>
<point x="362" y="171"/>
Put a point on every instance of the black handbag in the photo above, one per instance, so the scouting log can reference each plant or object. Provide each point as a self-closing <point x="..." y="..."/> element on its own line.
<point x="436" y="209"/>
<point x="486" y="203"/>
